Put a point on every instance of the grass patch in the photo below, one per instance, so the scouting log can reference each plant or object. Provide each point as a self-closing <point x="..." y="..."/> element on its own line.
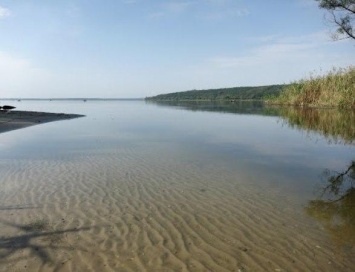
<point x="335" y="89"/>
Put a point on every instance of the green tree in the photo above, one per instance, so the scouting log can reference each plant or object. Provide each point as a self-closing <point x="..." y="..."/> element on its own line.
<point x="342" y="15"/>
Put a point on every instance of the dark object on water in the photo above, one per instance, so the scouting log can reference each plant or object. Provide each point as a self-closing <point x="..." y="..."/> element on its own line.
<point x="6" y="108"/>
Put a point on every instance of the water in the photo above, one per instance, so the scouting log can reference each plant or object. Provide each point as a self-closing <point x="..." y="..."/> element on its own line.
<point x="258" y="159"/>
<point x="262" y="145"/>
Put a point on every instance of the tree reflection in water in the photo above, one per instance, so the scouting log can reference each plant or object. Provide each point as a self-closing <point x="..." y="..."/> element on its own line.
<point x="335" y="207"/>
<point x="337" y="126"/>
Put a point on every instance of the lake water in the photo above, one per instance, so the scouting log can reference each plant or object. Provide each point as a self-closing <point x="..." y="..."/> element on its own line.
<point x="136" y="186"/>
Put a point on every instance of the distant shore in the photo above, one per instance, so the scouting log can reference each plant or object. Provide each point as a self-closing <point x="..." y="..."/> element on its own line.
<point x="334" y="89"/>
<point x="20" y="119"/>
<point x="222" y="94"/>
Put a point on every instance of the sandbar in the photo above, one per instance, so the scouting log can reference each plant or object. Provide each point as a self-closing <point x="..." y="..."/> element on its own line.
<point x="20" y="119"/>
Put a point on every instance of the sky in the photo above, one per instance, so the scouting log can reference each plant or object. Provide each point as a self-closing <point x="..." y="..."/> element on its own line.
<point x="140" y="48"/>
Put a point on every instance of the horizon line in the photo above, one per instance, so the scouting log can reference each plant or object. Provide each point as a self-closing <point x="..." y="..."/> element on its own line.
<point x="71" y="98"/>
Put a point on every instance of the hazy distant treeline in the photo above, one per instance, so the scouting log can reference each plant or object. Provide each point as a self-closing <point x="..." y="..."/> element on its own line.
<point x="226" y="94"/>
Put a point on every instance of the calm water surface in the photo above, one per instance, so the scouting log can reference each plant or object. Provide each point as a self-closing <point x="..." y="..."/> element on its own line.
<point x="265" y="149"/>
<point x="245" y="137"/>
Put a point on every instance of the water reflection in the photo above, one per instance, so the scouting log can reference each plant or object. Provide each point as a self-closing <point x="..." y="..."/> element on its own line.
<point x="335" y="206"/>
<point x="238" y="107"/>
<point x="337" y="126"/>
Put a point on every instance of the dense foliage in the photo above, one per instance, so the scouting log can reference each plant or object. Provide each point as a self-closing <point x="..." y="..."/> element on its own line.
<point x="335" y="89"/>
<point x="225" y="94"/>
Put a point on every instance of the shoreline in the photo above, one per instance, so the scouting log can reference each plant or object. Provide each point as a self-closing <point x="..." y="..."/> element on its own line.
<point x="265" y="102"/>
<point x="21" y="119"/>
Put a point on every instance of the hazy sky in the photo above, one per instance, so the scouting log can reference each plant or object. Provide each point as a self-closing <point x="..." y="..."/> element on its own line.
<point x="138" y="48"/>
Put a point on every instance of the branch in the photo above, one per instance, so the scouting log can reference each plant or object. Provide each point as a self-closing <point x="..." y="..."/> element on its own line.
<point x="339" y="177"/>
<point x="342" y="27"/>
<point x="333" y="5"/>
<point x="347" y="7"/>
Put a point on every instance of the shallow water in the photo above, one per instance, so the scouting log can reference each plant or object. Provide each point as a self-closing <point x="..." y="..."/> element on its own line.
<point x="137" y="186"/>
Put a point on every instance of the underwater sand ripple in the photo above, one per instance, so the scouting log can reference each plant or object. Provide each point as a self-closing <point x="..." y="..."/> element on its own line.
<point x="129" y="210"/>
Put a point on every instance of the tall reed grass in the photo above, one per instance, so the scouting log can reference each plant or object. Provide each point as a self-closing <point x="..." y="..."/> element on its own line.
<point x="335" y="89"/>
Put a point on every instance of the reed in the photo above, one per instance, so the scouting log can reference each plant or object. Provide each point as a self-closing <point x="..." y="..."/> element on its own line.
<point x="334" y="89"/>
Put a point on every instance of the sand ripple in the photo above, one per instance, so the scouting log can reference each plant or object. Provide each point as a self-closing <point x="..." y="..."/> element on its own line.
<point x="129" y="210"/>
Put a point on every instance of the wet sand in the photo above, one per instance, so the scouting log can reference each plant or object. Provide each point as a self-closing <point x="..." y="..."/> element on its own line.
<point x="21" y="119"/>
<point x="126" y="209"/>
